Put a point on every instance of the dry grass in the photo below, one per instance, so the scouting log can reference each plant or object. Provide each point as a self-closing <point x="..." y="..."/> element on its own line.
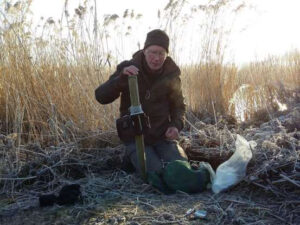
<point x="268" y="194"/>
<point x="209" y="87"/>
<point x="47" y="85"/>
<point x="216" y="88"/>
<point x="51" y="125"/>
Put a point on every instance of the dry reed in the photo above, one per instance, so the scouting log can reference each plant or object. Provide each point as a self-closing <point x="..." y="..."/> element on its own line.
<point x="47" y="84"/>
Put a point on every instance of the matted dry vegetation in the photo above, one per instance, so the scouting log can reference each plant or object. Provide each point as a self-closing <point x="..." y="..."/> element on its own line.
<point x="54" y="132"/>
<point x="268" y="194"/>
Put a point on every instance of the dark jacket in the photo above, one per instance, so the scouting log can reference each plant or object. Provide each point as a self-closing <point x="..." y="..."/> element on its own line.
<point x="165" y="106"/>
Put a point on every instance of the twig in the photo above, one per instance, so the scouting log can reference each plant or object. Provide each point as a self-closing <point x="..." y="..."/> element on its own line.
<point x="237" y="201"/>
<point x="278" y="181"/>
<point x="269" y="189"/>
<point x="147" y="204"/>
<point x="37" y="153"/>
<point x="289" y="180"/>
<point x="278" y="217"/>
<point x="165" y="222"/>
<point x="18" y="178"/>
<point x="262" y="186"/>
<point x="141" y="217"/>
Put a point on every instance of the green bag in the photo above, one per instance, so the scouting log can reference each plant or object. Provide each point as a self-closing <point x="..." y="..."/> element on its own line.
<point x="155" y="179"/>
<point x="178" y="175"/>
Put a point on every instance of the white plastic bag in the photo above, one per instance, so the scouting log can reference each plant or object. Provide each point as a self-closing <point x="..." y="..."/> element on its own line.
<point x="233" y="170"/>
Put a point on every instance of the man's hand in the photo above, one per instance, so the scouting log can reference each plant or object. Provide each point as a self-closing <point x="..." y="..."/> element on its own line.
<point x="172" y="133"/>
<point x="130" y="70"/>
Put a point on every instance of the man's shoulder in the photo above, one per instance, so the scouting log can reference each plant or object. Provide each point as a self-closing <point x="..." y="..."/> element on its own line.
<point x="125" y="63"/>
<point x="170" y="67"/>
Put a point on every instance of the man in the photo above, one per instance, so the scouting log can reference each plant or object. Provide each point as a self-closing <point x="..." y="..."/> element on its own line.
<point x="161" y="99"/>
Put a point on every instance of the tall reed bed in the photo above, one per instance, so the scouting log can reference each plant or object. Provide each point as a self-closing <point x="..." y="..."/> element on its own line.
<point x="47" y="79"/>
<point x="269" y="85"/>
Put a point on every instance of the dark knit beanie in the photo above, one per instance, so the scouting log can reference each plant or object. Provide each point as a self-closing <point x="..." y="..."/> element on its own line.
<point x="157" y="37"/>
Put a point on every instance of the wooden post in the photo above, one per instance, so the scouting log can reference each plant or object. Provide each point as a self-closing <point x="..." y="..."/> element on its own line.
<point x="136" y="109"/>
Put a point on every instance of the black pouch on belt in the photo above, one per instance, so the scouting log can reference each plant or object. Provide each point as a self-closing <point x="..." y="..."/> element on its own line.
<point x="128" y="127"/>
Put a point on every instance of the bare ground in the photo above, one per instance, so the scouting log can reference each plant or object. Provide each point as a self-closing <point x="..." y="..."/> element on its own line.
<point x="119" y="198"/>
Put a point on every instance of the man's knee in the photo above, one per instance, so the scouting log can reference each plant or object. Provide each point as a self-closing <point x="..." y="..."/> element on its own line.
<point x="171" y="151"/>
<point x="153" y="161"/>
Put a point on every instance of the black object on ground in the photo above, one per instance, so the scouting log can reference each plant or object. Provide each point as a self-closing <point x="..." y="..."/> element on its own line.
<point x="69" y="194"/>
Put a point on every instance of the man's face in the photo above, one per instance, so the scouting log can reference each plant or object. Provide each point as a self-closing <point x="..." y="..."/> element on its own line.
<point x="155" y="56"/>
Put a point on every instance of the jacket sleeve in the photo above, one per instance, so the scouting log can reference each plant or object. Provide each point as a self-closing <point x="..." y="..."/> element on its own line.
<point x="177" y="105"/>
<point x="111" y="89"/>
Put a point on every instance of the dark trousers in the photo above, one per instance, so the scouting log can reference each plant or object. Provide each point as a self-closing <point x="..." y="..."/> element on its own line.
<point x="156" y="155"/>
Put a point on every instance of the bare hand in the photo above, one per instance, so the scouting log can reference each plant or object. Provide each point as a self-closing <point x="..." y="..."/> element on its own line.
<point x="172" y="133"/>
<point x="130" y="70"/>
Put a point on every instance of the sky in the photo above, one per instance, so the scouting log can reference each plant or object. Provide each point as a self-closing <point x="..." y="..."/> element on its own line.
<point x="271" y="27"/>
